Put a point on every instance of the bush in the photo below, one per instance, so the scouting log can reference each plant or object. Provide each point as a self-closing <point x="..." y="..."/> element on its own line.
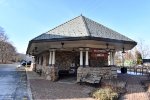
<point x="105" y="94"/>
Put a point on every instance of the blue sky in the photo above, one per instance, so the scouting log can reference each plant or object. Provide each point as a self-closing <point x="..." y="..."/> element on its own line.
<point x="26" y="19"/>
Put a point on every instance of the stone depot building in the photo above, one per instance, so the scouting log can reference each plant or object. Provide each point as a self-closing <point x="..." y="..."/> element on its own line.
<point x="79" y="46"/>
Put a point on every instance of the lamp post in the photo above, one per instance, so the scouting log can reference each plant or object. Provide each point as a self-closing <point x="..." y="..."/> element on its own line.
<point x="123" y="69"/>
<point x="123" y="52"/>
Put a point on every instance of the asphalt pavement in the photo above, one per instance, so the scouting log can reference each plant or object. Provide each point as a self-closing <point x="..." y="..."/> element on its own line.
<point x="13" y="83"/>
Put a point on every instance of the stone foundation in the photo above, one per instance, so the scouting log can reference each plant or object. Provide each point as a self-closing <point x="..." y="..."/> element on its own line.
<point x="104" y="72"/>
<point x="49" y="72"/>
<point x="53" y="73"/>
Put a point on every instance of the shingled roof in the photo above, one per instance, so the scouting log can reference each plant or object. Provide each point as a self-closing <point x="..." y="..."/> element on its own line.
<point x="81" y="28"/>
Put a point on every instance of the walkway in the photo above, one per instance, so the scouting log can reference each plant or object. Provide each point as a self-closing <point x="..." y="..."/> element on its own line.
<point x="45" y="90"/>
<point x="135" y="90"/>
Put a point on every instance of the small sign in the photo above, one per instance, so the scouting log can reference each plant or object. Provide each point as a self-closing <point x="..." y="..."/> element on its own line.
<point x="98" y="53"/>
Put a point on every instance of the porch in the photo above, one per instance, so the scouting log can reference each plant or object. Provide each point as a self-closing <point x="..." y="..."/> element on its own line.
<point x="76" y="62"/>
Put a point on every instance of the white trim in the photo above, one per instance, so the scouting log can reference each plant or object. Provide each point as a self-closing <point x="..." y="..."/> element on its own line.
<point x="53" y="57"/>
<point x="50" y="57"/>
<point x="81" y="57"/>
<point x="87" y="57"/>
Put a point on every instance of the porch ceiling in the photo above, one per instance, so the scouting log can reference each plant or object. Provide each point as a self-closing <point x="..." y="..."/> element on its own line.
<point x="70" y="45"/>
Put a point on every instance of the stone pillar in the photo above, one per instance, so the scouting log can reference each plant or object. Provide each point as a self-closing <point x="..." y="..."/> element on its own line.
<point x="111" y="59"/>
<point x="87" y="57"/>
<point x="50" y="58"/>
<point x="54" y="73"/>
<point x="80" y="69"/>
<point x="48" y="70"/>
<point x="81" y="57"/>
<point x="53" y="68"/>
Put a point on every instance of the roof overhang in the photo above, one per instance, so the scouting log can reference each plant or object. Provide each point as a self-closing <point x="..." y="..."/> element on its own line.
<point x="87" y="41"/>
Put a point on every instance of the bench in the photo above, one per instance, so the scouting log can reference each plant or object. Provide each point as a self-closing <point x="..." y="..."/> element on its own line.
<point x="92" y="79"/>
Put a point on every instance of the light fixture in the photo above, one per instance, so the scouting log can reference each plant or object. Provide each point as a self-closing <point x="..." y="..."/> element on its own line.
<point x="62" y="45"/>
<point x="107" y="49"/>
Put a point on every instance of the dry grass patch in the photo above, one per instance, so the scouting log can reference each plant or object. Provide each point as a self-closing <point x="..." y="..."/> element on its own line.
<point x="106" y="93"/>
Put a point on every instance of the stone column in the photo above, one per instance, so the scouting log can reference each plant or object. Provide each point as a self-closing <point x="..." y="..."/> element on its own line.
<point x="80" y="69"/>
<point x="111" y="59"/>
<point x="87" y="57"/>
<point x="48" y="70"/>
<point x="53" y="68"/>
<point x="81" y="57"/>
<point x="50" y="58"/>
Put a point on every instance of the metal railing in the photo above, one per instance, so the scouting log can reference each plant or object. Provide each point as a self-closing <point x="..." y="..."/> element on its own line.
<point x="137" y="69"/>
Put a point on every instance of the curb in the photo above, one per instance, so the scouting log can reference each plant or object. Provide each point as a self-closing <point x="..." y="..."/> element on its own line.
<point x="28" y="87"/>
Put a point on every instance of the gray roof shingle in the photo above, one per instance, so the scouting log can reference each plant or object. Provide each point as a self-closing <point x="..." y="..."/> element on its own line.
<point x="82" y="27"/>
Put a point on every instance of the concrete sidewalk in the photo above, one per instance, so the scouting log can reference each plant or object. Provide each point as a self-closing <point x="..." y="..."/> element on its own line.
<point x="31" y="75"/>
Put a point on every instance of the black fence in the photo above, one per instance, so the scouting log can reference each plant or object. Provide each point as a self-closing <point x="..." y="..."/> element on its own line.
<point x="137" y="69"/>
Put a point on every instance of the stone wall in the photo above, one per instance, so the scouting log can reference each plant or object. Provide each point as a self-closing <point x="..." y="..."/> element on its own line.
<point x="104" y="72"/>
<point x="64" y="59"/>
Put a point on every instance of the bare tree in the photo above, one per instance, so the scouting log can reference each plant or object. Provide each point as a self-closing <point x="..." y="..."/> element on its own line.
<point x="143" y="49"/>
<point x="3" y="36"/>
<point x="7" y="50"/>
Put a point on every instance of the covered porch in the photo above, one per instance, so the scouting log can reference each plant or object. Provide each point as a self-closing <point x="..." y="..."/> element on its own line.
<point x="80" y="46"/>
<point x="77" y="58"/>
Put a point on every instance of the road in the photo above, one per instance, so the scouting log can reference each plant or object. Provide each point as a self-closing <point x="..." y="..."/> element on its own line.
<point x="13" y="83"/>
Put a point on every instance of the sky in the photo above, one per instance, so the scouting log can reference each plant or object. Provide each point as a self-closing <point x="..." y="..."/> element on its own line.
<point x="23" y="20"/>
